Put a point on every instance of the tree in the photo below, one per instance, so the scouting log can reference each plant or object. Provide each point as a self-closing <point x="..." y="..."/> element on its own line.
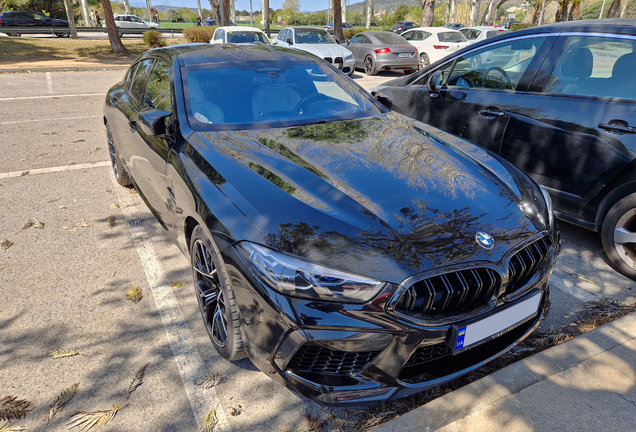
<point x="474" y="12"/>
<point x="337" y="20"/>
<point x="113" y="36"/>
<point x="428" y="12"/>
<point x="561" y="13"/>
<point x="369" y="9"/>
<point x="71" y="21"/>
<point x="215" y="5"/>
<point x="575" y="11"/>
<point x="266" y="17"/>
<point x="294" y="5"/>
<point x="614" y="9"/>
<point x="400" y="12"/>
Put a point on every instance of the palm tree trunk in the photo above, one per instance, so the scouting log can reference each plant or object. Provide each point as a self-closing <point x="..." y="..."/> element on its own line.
<point x="614" y="10"/>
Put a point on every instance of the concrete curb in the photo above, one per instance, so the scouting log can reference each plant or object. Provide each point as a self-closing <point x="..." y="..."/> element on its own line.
<point x="512" y="379"/>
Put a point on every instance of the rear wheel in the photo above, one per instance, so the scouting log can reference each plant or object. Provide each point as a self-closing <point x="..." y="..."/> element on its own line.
<point x="424" y="60"/>
<point x="369" y="66"/>
<point x="619" y="236"/>
<point x="121" y="175"/>
<point x="215" y="297"/>
<point x="14" y="34"/>
<point x="63" y="34"/>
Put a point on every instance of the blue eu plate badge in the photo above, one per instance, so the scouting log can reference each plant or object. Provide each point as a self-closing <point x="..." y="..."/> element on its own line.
<point x="460" y="338"/>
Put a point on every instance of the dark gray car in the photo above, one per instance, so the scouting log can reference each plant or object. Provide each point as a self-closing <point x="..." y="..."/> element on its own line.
<point x="376" y="51"/>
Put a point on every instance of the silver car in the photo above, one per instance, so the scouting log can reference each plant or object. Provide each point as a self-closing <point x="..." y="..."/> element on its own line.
<point x="319" y="42"/>
<point x="376" y="51"/>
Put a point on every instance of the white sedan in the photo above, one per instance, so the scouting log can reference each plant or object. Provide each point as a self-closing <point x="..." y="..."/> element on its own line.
<point x="125" y="22"/>
<point x="479" y="33"/>
<point x="319" y="42"/>
<point x="434" y="43"/>
<point x="236" y="34"/>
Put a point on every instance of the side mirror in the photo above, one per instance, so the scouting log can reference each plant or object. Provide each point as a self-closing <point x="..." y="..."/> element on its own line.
<point x="153" y="123"/>
<point x="289" y="41"/>
<point x="348" y="41"/>
<point x="432" y="89"/>
<point x="384" y="100"/>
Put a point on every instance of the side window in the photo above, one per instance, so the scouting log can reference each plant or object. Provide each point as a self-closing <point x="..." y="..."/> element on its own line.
<point x="425" y="35"/>
<point x="281" y="36"/>
<point x="158" y="94"/>
<point x="356" y="39"/>
<point x="499" y="66"/>
<point x="595" y="66"/>
<point x="139" y="79"/>
<point x="222" y="35"/>
<point x="364" y="39"/>
<point x="408" y="35"/>
<point x="423" y="81"/>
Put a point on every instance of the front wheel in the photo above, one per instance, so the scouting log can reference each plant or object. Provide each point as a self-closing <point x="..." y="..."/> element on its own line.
<point x="215" y="297"/>
<point x="619" y="236"/>
<point x="369" y="66"/>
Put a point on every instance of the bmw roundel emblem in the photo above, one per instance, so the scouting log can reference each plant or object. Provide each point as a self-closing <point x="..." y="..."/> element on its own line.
<point x="485" y="240"/>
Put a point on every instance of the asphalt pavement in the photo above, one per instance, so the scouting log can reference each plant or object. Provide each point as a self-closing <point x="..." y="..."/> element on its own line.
<point x="62" y="288"/>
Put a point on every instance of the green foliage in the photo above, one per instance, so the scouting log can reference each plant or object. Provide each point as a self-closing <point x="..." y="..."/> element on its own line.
<point x="199" y="34"/>
<point x="154" y="39"/>
<point x="440" y="16"/>
<point x="592" y="11"/>
<point x="519" y="26"/>
<point x="400" y="12"/>
<point x="350" y="33"/>
<point x="176" y="17"/>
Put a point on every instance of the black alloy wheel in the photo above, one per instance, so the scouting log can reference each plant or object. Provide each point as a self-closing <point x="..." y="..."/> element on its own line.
<point x="215" y="297"/>
<point x="120" y="173"/>
<point x="14" y="34"/>
<point x="619" y="236"/>
<point x="63" y="34"/>
<point x="369" y="66"/>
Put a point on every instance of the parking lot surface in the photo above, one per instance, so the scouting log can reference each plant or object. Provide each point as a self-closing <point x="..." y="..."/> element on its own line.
<point x="64" y="281"/>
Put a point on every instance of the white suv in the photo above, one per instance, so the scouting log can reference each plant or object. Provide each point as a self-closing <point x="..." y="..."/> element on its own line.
<point x="132" y="22"/>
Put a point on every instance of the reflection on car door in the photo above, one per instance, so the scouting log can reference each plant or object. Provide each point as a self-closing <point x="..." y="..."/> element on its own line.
<point x="476" y="93"/>
<point x="570" y="132"/>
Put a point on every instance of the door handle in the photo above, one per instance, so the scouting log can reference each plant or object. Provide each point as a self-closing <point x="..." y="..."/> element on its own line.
<point x="133" y="125"/>
<point x="617" y="126"/>
<point x="490" y="114"/>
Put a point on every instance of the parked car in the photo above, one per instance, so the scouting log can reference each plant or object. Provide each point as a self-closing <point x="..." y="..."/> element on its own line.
<point x="209" y="22"/>
<point x="125" y="22"/>
<point x="33" y="20"/>
<point x="402" y="26"/>
<point x="506" y="24"/>
<point x="376" y="51"/>
<point x="479" y="33"/>
<point x="557" y="101"/>
<point x="235" y="34"/>
<point x="454" y="26"/>
<point x="345" y="26"/>
<point x="318" y="42"/>
<point x="352" y="253"/>
<point x="434" y="43"/>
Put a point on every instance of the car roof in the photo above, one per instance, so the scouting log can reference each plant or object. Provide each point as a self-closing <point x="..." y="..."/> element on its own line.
<point x="434" y="29"/>
<point x="305" y="28"/>
<point x="486" y="28"/>
<point x="241" y="28"/>
<point x="202" y="53"/>
<point x="625" y="26"/>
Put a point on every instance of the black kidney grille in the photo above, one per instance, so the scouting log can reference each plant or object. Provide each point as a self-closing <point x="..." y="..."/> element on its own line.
<point x="328" y="59"/>
<point x="524" y="264"/>
<point x="450" y="293"/>
<point x="428" y="353"/>
<point x="320" y="360"/>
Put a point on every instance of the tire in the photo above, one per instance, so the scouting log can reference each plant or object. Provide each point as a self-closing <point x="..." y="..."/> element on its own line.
<point x="215" y="297"/>
<point x="424" y="60"/>
<point x="369" y="66"/>
<point x="619" y="236"/>
<point x="14" y="34"/>
<point x="63" y="34"/>
<point x="119" y="171"/>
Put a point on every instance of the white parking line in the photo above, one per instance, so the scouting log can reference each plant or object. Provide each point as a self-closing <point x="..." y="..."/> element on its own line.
<point x="189" y="362"/>
<point x="48" y="120"/>
<point x="52" y="96"/>
<point x="53" y="169"/>
<point x="49" y="82"/>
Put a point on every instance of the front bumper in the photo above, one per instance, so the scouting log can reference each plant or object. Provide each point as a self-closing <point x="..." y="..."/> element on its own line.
<point x="356" y="354"/>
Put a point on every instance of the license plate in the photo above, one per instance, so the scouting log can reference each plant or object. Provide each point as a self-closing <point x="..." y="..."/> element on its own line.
<point x="409" y="55"/>
<point x="473" y="334"/>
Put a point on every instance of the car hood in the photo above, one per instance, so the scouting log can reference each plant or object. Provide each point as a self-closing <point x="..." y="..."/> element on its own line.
<point x="383" y="196"/>
<point x="324" y="50"/>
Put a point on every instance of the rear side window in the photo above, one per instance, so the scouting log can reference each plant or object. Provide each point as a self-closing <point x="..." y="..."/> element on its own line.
<point x="451" y="37"/>
<point x="390" y="38"/>
<point x="595" y="66"/>
<point x="139" y="79"/>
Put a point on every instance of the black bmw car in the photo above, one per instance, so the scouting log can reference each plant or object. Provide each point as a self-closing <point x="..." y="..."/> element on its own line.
<point x="352" y="253"/>
<point x="559" y="102"/>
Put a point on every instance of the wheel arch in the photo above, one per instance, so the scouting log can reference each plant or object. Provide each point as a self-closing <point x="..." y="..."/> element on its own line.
<point x="622" y="185"/>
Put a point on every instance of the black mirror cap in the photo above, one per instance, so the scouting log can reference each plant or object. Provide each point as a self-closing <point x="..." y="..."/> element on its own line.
<point x="384" y="100"/>
<point x="153" y="122"/>
<point x="289" y="41"/>
<point x="432" y="90"/>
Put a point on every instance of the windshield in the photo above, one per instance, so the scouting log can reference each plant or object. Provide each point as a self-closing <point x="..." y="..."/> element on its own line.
<point x="270" y="94"/>
<point x="390" y="38"/>
<point x="451" y="37"/>
<point x="317" y="36"/>
<point x="242" y="36"/>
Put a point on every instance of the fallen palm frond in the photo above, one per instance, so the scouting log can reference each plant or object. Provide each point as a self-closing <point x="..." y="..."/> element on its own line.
<point x="93" y="420"/>
<point x="211" y="381"/>
<point x="313" y="425"/>
<point x="111" y="221"/>
<point x="12" y="408"/>
<point x="5" y="244"/>
<point x="208" y="421"/>
<point x="8" y="427"/>
<point x="60" y="401"/>
<point x="33" y="222"/>
<point x="56" y="354"/>
<point x="137" y="380"/>
<point x="134" y="294"/>
<point x="176" y="284"/>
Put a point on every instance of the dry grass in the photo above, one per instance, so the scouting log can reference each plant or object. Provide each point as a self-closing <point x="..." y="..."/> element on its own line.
<point x="26" y="48"/>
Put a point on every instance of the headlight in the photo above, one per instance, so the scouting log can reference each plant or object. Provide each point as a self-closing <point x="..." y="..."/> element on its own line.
<point x="298" y="278"/>
<point x="548" y="205"/>
<point x="349" y="57"/>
